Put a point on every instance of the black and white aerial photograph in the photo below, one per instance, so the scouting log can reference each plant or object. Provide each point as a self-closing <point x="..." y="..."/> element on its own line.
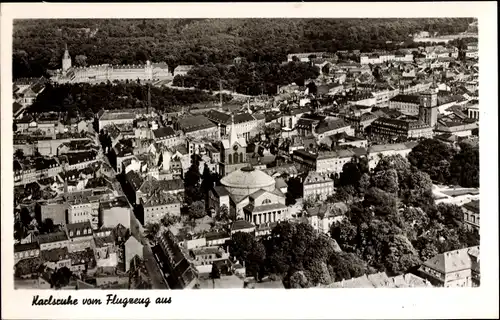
<point x="245" y="153"/>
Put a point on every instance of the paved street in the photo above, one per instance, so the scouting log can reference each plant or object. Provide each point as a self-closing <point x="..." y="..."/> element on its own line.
<point x="155" y="274"/>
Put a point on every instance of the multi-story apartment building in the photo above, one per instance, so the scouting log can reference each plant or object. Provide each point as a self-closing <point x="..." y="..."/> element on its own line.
<point x="197" y="126"/>
<point x="401" y="128"/>
<point x="317" y="185"/>
<point x="406" y="104"/>
<point x="159" y="205"/>
<point x="245" y="124"/>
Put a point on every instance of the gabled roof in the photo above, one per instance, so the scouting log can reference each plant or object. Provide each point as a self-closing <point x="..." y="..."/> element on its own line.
<point x="451" y="261"/>
<point x="331" y="125"/>
<point x="315" y="177"/>
<point x="472" y="206"/>
<point x="84" y="228"/>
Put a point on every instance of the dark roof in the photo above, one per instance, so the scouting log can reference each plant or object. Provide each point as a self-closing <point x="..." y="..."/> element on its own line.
<point x="79" y="157"/>
<point x="16" y="107"/>
<point x="225" y="118"/>
<point x="134" y="179"/>
<point x="221" y="191"/>
<point x="304" y="153"/>
<point x="20" y="247"/>
<point x="330" y="125"/>
<point x="209" y="236"/>
<point x="406" y="98"/>
<point x="84" y="227"/>
<point x="163" y="132"/>
<point x="195" y="123"/>
<point x="43" y="163"/>
<point x="152" y="184"/>
<point x="54" y="255"/>
<point x="52" y="237"/>
<point x="117" y="202"/>
<point x="472" y="206"/>
<point x="241" y="224"/>
<point x="179" y="270"/>
<point x="160" y="198"/>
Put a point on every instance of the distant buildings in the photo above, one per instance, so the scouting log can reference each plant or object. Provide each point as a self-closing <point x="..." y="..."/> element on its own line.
<point x="305" y="57"/>
<point x="383" y="58"/>
<point x="182" y="70"/>
<point x="106" y="72"/>
<point x="455" y="195"/>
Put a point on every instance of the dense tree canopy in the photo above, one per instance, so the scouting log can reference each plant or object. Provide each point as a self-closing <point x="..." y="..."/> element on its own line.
<point x="38" y="45"/>
<point x="445" y="165"/>
<point x="247" y="78"/>
<point x="464" y="168"/>
<point x="433" y="157"/>
<point x="86" y="98"/>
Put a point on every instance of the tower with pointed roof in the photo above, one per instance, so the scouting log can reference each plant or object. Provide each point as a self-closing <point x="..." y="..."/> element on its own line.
<point x="233" y="151"/>
<point x="233" y="137"/>
<point x="66" y="61"/>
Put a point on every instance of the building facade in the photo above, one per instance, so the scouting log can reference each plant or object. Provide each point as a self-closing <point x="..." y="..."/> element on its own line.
<point x="471" y="215"/>
<point x="317" y="185"/>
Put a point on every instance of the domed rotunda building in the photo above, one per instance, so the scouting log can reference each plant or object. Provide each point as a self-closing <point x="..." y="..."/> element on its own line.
<point x="246" y="181"/>
<point x="251" y="194"/>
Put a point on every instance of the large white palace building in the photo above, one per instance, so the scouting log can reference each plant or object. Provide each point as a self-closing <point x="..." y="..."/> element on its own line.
<point x="106" y="72"/>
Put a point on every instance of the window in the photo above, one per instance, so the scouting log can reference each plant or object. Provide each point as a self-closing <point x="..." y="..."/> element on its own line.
<point x="266" y="201"/>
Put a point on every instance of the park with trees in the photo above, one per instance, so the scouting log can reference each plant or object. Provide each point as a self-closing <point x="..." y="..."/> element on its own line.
<point x="38" y="44"/>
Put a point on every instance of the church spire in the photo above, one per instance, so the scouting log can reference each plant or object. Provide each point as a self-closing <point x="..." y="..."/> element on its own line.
<point x="233" y="137"/>
<point x="66" y="61"/>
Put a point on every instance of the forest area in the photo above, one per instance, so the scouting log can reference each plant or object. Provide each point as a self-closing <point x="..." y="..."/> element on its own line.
<point x="38" y="45"/>
<point x="247" y="78"/>
<point x="86" y="100"/>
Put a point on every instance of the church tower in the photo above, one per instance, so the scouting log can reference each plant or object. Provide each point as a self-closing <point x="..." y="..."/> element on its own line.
<point x="428" y="110"/>
<point x="66" y="61"/>
<point x="233" y="137"/>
